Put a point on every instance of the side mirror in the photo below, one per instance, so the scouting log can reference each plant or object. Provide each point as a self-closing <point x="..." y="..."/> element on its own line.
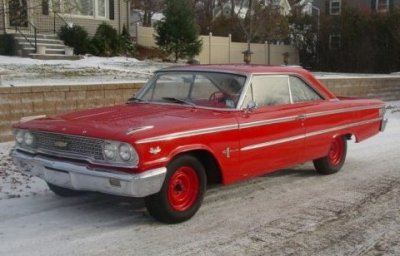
<point x="251" y="106"/>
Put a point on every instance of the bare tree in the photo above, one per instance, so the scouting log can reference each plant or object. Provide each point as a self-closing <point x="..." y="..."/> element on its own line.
<point x="149" y="7"/>
<point x="262" y="22"/>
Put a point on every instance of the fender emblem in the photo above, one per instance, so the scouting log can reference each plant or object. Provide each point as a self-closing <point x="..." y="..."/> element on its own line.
<point x="155" y="150"/>
<point x="228" y="152"/>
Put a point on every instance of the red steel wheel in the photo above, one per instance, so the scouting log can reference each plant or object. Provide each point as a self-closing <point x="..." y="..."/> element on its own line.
<point x="183" y="188"/>
<point x="336" y="152"/>
<point x="335" y="158"/>
<point x="182" y="192"/>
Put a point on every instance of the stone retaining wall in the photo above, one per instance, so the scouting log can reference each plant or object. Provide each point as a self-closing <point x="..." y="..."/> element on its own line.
<point x="386" y="88"/>
<point x="17" y="102"/>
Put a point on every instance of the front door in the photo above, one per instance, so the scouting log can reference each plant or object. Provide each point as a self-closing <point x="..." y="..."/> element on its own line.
<point x="272" y="135"/>
<point x="17" y="13"/>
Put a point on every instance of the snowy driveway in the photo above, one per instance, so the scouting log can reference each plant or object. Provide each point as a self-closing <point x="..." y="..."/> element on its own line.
<point x="296" y="211"/>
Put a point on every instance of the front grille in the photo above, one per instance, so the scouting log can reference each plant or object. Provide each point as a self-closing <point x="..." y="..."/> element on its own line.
<point x="83" y="147"/>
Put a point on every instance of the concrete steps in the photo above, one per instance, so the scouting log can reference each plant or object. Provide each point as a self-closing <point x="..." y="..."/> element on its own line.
<point x="53" y="56"/>
<point x="48" y="47"/>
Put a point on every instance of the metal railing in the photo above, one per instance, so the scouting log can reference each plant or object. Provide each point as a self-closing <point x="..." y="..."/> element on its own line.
<point x="57" y="20"/>
<point x="30" y="34"/>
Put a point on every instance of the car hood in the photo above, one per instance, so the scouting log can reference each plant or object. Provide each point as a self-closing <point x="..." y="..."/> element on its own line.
<point x="131" y="121"/>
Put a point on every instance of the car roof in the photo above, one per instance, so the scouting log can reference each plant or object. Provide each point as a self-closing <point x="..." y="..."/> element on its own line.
<point x="238" y="68"/>
<point x="245" y="69"/>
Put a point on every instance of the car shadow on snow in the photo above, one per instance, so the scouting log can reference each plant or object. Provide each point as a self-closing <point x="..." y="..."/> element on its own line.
<point x="297" y="172"/>
<point x="101" y="210"/>
<point x="115" y="211"/>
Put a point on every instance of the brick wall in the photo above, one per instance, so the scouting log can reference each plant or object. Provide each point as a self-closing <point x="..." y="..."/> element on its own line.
<point x="386" y="88"/>
<point x="17" y="102"/>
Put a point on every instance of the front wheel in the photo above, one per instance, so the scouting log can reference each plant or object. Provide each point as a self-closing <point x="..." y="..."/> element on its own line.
<point x="182" y="192"/>
<point x="334" y="161"/>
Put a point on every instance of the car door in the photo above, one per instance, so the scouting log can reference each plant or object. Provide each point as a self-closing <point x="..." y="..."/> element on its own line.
<point x="315" y="110"/>
<point x="271" y="134"/>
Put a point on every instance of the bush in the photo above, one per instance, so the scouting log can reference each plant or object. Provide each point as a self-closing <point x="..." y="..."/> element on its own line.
<point x="177" y="33"/>
<point x="76" y="37"/>
<point x="126" y="44"/>
<point x="106" y="41"/>
<point x="7" y="45"/>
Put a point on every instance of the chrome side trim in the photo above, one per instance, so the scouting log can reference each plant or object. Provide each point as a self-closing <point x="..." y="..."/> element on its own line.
<point x="310" y="115"/>
<point x="339" y="111"/>
<point x="78" y="176"/>
<point x="272" y="142"/>
<point x="249" y="124"/>
<point x="311" y="134"/>
<point x="267" y="122"/>
<point x="342" y="127"/>
<point x="189" y="133"/>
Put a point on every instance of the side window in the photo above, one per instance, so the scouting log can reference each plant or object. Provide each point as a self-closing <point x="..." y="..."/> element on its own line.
<point x="202" y="88"/>
<point x="270" y="90"/>
<point x="301" y="92"/>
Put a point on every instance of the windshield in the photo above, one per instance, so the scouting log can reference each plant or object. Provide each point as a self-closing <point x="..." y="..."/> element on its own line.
<point x="205" y="89"/>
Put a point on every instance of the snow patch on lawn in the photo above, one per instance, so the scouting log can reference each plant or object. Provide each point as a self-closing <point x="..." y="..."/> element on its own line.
<point x="17" y="71"/>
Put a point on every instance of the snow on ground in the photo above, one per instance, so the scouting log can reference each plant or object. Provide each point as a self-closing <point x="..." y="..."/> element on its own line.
<point x="17" y="71"/>
<point x="14" y="184"/>
<point x="26" y="71"/>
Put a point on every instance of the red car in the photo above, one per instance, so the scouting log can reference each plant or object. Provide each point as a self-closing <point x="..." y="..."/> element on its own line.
<point x="190" y="126"/>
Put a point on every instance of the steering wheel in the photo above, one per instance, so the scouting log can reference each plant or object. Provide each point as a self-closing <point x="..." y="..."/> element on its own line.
<point x="217" y="96"/>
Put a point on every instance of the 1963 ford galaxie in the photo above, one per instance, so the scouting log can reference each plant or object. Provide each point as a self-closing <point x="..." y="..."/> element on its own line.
<point x="190" y="126"/>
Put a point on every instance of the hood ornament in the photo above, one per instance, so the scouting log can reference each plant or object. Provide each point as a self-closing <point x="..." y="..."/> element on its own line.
<point x="138" y="129"/>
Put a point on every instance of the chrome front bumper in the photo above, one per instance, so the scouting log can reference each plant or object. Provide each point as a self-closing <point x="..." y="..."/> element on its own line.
<point x="383" y="125"/>
<point x="80" y="177"/>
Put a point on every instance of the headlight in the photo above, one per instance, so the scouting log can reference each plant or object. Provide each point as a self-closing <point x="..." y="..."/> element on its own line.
<point x="119" y="152"/>
<point x="28" y="138"/>
<point x="19" y="136"/>
<point x="110" y="151"/>
<point x="125" y="152"/>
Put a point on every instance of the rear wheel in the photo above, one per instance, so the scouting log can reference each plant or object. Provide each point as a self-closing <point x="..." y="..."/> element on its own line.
<point x="64" y="192"/>
<point x="334" y="161"/>
<point x="182" y="192"/>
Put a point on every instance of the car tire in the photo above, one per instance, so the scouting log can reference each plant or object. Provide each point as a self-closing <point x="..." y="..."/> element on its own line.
<point x="64" y="192"/>
<point x="182" y="192"/>
<point x="334" y="161"/>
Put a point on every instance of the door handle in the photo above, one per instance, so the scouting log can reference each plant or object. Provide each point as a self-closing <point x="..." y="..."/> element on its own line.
<point x="301" y="117"/>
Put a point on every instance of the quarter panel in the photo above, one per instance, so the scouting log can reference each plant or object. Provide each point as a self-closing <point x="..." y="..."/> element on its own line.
<point x="328" y="119"/>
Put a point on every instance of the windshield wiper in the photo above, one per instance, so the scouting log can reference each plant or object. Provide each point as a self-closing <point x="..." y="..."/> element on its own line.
<point x="180" y="101"/>
<point x="134" y="99"/>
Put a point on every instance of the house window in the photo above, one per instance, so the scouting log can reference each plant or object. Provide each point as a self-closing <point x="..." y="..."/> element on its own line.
<point x="382" y="5"/>
<point x="334" y="42"/>
<point x="89" y="8"/>
<point x="101" y="8"/>
<point x="335" y="7"/>
<point x="79" y="7"/>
